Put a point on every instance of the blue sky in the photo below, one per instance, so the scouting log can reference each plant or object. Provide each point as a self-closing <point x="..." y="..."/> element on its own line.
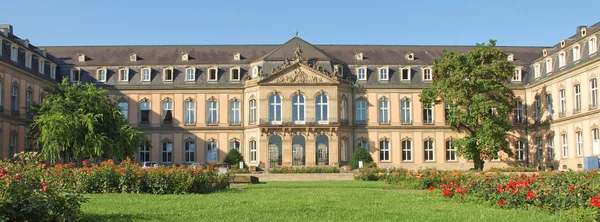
<point x="153" y="22"/>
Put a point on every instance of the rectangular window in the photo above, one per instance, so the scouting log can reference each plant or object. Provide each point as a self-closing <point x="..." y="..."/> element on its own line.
<point x="234" y="145"/>
<point x="383" y="74"/>
<point x="146" y="75"/>
<point x="427" y="114"/>
<point x="167" y="152"/>
<point x="212" y="115"/>
<point x="551" y="147"/>
<point x="361" y="112"/>
<point x="28" y="60"/>
<point x="549" y="106"/>
<point x="563" y="102"/>
<point x="212" y="74"/>
<point x="234" y="113"/>
<point x="123" y="75"/>
<point x="537" y="109"/>
<point x="548" y="65"/>
<point x="447" y="113"/>
<point x="565" y="147"/>
<point x="235" y="74"/>
<point x="405" y="112"/>
<point x="252" y="113"/>
<point x="362" y="73"/>
<point x="75" y="75"/>
<point x="450" y="151"/>
<point x="429" y="150"/>
<point x="190" y="74"/>
<point x="384" y="150"/>
<point x="593" y="93"/>
<point x="595" y="141"/>
<point x="536" y="70"/>
<point x="144" y="153"/>
<point x="41" y="66"/>
<point x="189" y="117"/>
<point x="253" y="151"/>
<point x="14" y="54"/>
<point x="145" y="113"/>
<point x="28" y="103"/>
<point x="168" y="74"/>
<point x="539" y="149"/>
<point x="406" y="150"/>
<point x="53" y="71"/>
<point x="517" y="76"/>
<point x="593" y="45"/>
<point x="101" y="75"/>
<point x="167" y="113"/>
<point x="577" y="90"/>
<point x="364" y="144"/>
<point x="384" y="111"/>
<point x="405" y="74"/>
<point x="12" y="145"/>
<point x="124" y="107"/>
<point x="562" y="60"/>
<point x="14" y="97"/>
<point x="576" y="53"/>
<point x="579" y="143"/>
<point x="189" y="152"/>
<point x="520" y="151"/>
<point x="426" y="74"/>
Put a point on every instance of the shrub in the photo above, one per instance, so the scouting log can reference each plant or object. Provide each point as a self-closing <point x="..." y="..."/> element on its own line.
<point x="369" y="173"/>
<point x="312" y="169"/>
<point x="233" y="157"/>
<point x="360" y="154"/>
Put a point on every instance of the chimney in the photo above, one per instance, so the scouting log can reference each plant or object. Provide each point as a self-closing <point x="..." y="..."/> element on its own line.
<point x="6" y="29"/>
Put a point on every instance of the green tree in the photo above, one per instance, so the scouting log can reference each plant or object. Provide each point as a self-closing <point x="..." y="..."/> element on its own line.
<point x="233" y="157"/>
<point x="80" y="121"/>
<point x="360" y="154"/>
<point x="473" y="85"/>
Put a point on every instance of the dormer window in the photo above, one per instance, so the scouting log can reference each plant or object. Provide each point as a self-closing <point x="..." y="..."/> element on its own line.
<point x="132" y="57"/>
<point x="427" y="74"/>
<point x="548" y="65"/>
<point x="53" y="71"/>
<point x="410" y="56"/>
<point x="81" y="58"/>
<point x="28" y="58"/>
<point x="235" y="73"/>
<point x="562" y="59"/>
<point x="75" y="75"/>
<point x="184" y="57"/>
<point x="518" y="75"/>
<point x="510" y="57"/>
<point x="405" y="75"/>
<point x="563" y="43"/>
<point x="359" y="56"/>
<point x="383" y="73"/>
<point x="101" y="75"/>
<point x="593" y="45"/>
<point x="361" y="73"/>
<point x="41" y="65"/>
<point x="168" y="74"/>
<point x="124" y="74"/>
<point x="146" y="74"/>
<point x="254" y="71"/>
<point x="536" y="70"/>
<point x="237" y="56"/>
<point x="213" y="74"/>
<point x="190" y="74"/>
<point x="544" y="52"/>
<point x="14" y="53"/>
<point x="576" y="53"/>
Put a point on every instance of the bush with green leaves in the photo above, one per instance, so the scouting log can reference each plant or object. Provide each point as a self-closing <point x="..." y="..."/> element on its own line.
<point x="234" y="157"/>
<point x="360" y="154"/>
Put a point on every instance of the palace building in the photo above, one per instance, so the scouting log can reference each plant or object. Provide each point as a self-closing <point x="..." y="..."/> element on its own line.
<point x="299" y="104"/>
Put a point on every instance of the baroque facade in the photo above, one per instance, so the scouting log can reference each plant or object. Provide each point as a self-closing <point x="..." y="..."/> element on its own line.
<point x="299" y="104"/>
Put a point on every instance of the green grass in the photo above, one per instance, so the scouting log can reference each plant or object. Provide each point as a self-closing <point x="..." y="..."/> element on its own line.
<point x="300" y="201"/>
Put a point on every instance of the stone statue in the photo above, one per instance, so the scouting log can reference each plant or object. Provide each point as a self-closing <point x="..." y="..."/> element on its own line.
<point x="298" y="53"/>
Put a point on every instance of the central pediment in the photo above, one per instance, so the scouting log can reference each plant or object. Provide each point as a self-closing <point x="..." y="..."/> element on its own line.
<point x="299" y="73"/>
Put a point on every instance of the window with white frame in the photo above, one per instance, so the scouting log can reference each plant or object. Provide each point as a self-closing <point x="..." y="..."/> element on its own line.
<point x="234" y="145"/>
<point x="168" y="74"/>
<point x="593" y="45"/>
<point x="549" y="65"/>
<point x="565" y="146"/>
<point x="101" y="75"/>
<point x="549" y="106"/>
<point x="41" y="65"/>
<point x="595" y="141"/>
<point x="520" y="151"/>
<point x="362" y="73"/>
<point x="593" y="93"/>
<point x="14" y="53"/>
<point x="551" y="152"/>
<point x="189" y="152"/>
<point x="427" y="113"/>
<point x="190" y="74"/>
<point x="405" y="111"/>
<point x="427" y="74"/>
<point x="563" y="102"/>
<point x="298" y="109"/>
<point x="562" y="59"/>
<point x="167" y="112"/>
<point x="53" y="71"/>
<point x="429" y="150"/>
<point x="450" y="151"/>
<point x="234" y="113"/>
<point x="383" y="73"/>
<point x="275" y="109"/>
<point x="579" y="143"/>
<point x="189" y="117"/>
<point x="517" y="77"/>
<point x="146" y="74"/>
<point x="28" y="59"/>
<point x="576" y="53"/>
<point x="361" y="111"/>
<point x="75" y="75"/>
<point x="384" y="111"/>
<point x="577" y="91"/>
<point x="405" y="73"/>
<point x="235" y="74"/>
<point x="362" y="143"/>
<point x="252" y="147"/>
<point x="212" y="74"/>
<point x="212" y="152"/>
<point x="144" y="153"/>
<point x="322" y="109"/>
<point x="14" y="99"/>
<point x="536" y="70"/>
<point x="144" y="113"/>
<point x="167" y="151"/>
<point x="124" y="107"/>
<point x="539" y="154"/>
<point x="406" y="150"/>
<point x="124" y="75"/>
<point x="384" y="150"/>
<point x="212" y="117"/>
<point x="252" y="111"/>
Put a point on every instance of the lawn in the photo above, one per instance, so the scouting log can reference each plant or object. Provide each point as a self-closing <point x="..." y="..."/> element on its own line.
<point x="300" y="201"/>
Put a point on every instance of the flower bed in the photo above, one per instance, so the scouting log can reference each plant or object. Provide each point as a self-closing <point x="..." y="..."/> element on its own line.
<point x="313" y="169"/>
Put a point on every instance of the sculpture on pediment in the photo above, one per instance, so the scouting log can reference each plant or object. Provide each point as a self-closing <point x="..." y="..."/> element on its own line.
<point x="336" y="70"/>
<point x="298" y="53"/>
<point x="299" y="76"/>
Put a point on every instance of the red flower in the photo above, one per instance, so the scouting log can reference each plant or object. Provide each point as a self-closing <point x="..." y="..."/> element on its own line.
<point x="121" y="170"/>
<point x="459" y="190"/>
<point x="84" y="162"/>
<point x="523" y="175"/>
<point x="447" y="193"/>
<point x="533" y="176"/>
<point x="71" y="164"/>
<point x="530" y="195"/>
<point x="3" y="172"/>
<point x="595" y="201"/>
<point x="431" y="188"/>
<point x="571" y="187"/>
<point x="501" y="203"/>
<point x="500" y="188"/>
<point x="44" y="186"/>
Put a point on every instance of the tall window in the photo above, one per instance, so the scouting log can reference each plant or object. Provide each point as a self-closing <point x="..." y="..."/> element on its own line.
<point x="14" y="55"/>
<point x="565" y="147"/>
<point x="536" y="70"/>
<point x="298" y="111"/>
<point x="593" y="93"/>
<point x="14" y="99"/>
<point x="252" y="112"/>
<point x="167" y="112"/>
<point x="12" y="149"/>
<point x="537" y="109"/>
<point x="520" y="151"/>
<point x="363" y="143"/>
<point x="144" y="113"/>
<point x="548" y="65"/>
<point x="212" y="74"/>
<point x="429" y="150"/>
<point x="212" y="117"/>
<point x="577" y="90"/>
<point x="595" y="141"/>
<point x="579" y="143"/>
<point x="53" y="71"/>
<point x="384" y="150"/>
<point x="75" y="75"/>
<point x="384" y="111"/>
<point x="562" y="60"/>
<point x="101" y="75"/>
<point x="234" y="145"/>
<point x="383" y="73"/>
<point x="361" y="112"/>
<point x="253" y="155"/>
<point x="168" y="74"/>
<point x="450" y="151"/>
<point x="189" y="117"/>
<point x="212" y="152"/>
<point x="362" y="73"/>
<point x="41" y="66"/>
<point x="427" y="74"/>
<point x="406" y="150"/>
<point x="189" y="152"/>
<point x="593" y="45"/>
<point x="144" y="153"/>
<point x="275" y="109"/>
<point x="167" y="152"/>
<point x="322" y="109"/>
<point x="517" y="76"/>
<point x="28" y="103"/>
<point x="234" y="112"/>
<point x="539" y="149"/>
<point x="427" y="114"/>
<point x="405" y="111"/>
<point x="447" y="112"/>
<point x="549" y="105"/>
<point x="344" y="110"/>
<point x="28" y="59"/>
<point x="124" y="107"/>
<point x="576" y="53"/>
<point x="563" y="102"/>
<point x="551" y="148"/>
<point x="405" y="75"/>
<point x="190" y="74"/>
<point x="235" y="73"/>
<point x="123" y="75"/>
<point x="146" y="75"/>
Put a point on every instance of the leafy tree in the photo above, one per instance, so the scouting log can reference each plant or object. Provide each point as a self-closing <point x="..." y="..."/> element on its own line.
<point x="473" y="85"/>
<point x="80" y="121"/>
<point x="360" y="154"/>
<point x="233" y="157"/>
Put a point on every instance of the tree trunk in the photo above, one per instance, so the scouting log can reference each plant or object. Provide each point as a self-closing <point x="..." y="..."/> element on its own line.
<point x="478" y="161"/>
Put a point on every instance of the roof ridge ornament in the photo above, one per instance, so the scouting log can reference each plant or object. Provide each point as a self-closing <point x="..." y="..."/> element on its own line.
<point x="298" y="53"/>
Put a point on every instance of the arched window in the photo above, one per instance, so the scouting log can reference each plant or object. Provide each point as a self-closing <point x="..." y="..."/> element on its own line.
<point x="562" y="59"/>
<point x="322" y="150"/>
<point x="298" y="150"/>
<point x="429" y="150"/>
<point x="167" y="151"/>
<point x="384" y="150"/>
<point x="144" y="112"/>
<point x="253" y="150"/>
<point x="234" y="145"/>
<point x="593" y="93"/>
<point x="212" y="152"/>
<point x="576" y="53"/>
<point x="189" y="151"/>
<point x="189" y="115"/>
<point x="274" y="151"/>
<point x="450" y="151"/>
<point x="252" y="111"/>
<point x="593" y="45"/>
<point x="361" y="111"/>
<point x="167" y="112"/>
<point x="362" y="143"/>
<point x="407" y="150"/>
<point x="384" y="111"/>
<point x="298" y="109"/>
<point x="322" y="109"/>
<point x="275" y="109"/>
